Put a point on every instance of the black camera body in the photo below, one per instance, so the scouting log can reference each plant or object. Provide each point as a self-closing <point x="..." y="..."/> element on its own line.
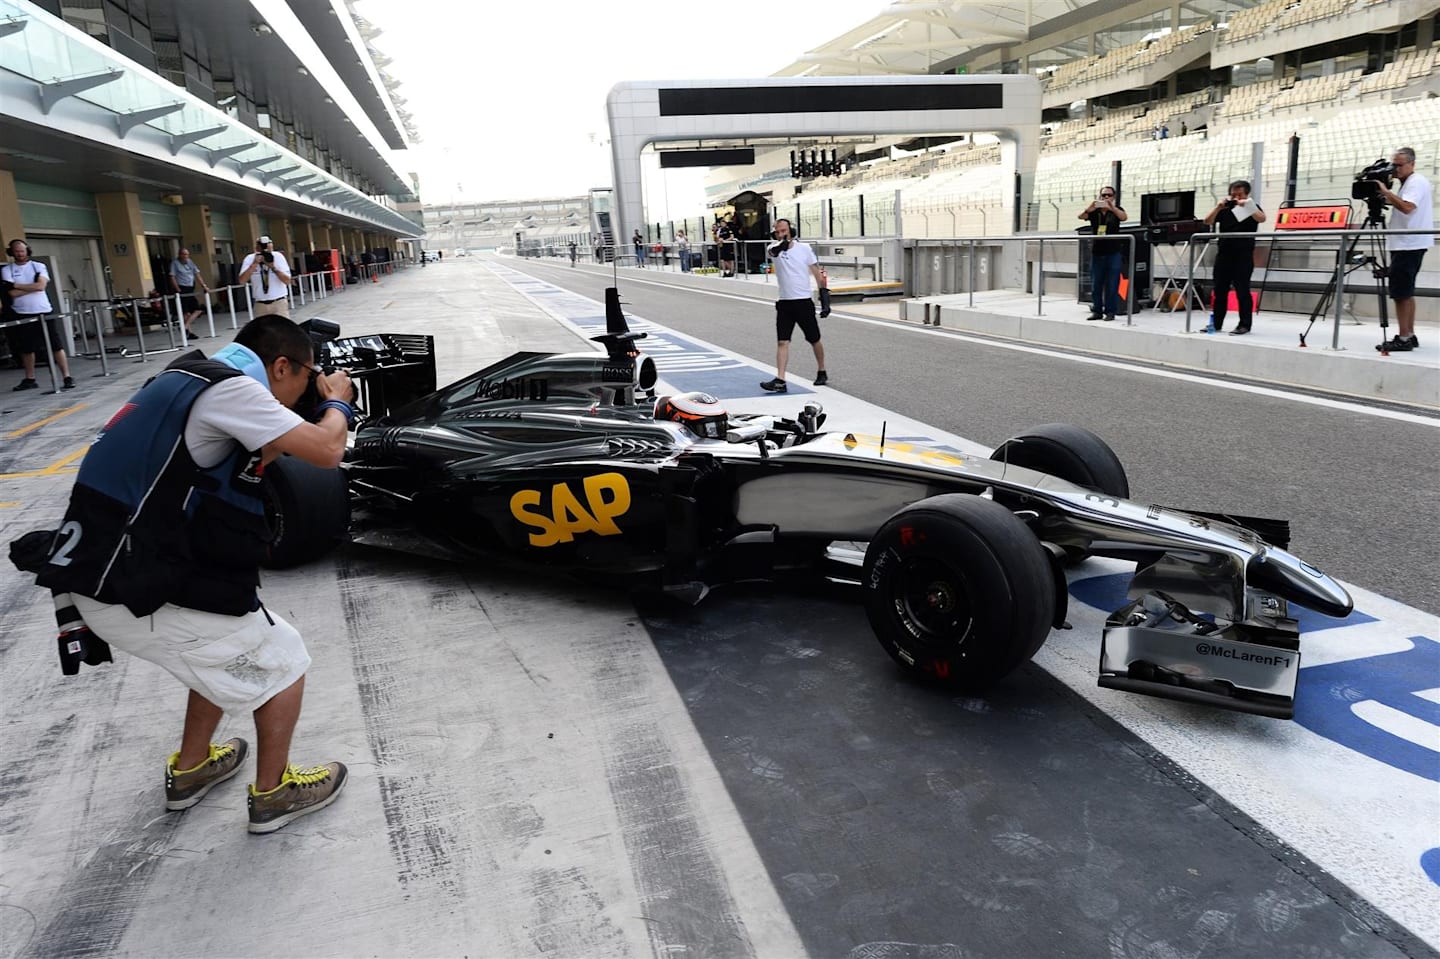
<point x="1367" y="181"/>
<point x="1230" y="204"/>
<point x="320" y="331"/>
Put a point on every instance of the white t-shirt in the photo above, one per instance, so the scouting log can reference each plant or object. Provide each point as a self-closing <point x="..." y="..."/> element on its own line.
<point x="27" y="304"/>
<point x="792" y="271"/>
<point x="235" y="409"/>
<point x="1416" y="190"/>
<point x="264" y="284"/>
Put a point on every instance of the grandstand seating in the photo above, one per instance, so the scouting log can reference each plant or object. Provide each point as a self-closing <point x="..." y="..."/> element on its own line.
<point x="1345" y="121"/>
<point x="957" y="193"/>
<point x="1132" y="56"/>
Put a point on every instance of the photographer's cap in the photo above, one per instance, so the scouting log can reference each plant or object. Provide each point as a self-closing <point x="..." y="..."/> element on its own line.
<point x="263" y="241"/>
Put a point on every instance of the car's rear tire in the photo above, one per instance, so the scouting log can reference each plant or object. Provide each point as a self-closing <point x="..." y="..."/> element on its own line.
<point x="307" y="509"/>
<point x="1073" y="454"/>
<point x="959" y="589"/>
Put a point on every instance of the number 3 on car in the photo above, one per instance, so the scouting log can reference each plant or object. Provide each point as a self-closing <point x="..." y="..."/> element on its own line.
<point x="607" y="495"/>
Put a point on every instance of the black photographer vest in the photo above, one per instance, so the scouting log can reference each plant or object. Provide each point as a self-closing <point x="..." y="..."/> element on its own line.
<point x="148" y="526"/>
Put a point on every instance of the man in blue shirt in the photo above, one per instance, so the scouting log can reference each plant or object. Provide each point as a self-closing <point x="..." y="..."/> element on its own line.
<point x="184" y="277"/>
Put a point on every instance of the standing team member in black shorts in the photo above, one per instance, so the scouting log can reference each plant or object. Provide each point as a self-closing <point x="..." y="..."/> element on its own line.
<point x="795" y="264"/>
<point x="1414" y="209"/>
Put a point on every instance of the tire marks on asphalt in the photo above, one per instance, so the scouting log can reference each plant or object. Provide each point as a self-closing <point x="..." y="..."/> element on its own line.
<point x="531" y="753"/>
<point x="462" y="787"/>
<point x="684" y="899"/>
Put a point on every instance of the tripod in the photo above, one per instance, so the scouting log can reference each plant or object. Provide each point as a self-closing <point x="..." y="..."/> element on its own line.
<point x="1375" y="259"/>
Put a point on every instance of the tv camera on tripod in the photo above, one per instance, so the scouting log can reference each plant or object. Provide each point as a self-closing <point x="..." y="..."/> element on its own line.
<point x="1366" y="188"/>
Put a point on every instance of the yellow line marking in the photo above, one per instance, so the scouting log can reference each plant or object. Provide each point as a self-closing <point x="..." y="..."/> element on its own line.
<point x="7" y="505"/>
<point x="47" y="420"/>
<point x="54" y="469"/>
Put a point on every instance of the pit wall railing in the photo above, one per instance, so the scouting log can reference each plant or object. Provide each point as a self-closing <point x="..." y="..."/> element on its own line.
<point x="865" y="261"/>
<point x="1350" y="252"/>
<point x="966" y="264"/>
<point x="960" y="265"/>
<point x="83" y="320"/>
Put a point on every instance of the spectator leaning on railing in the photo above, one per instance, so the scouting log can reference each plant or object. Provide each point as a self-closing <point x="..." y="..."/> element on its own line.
<point x="1414" y="207"/>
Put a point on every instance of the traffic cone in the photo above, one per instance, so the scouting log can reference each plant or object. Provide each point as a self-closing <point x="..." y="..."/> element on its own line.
<point x="374" y="277"/>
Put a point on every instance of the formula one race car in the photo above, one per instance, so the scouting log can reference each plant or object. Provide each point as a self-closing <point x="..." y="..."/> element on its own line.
<point x="569" y="461"/>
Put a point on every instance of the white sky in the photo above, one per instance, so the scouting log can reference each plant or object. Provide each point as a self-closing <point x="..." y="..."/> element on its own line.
<point x="509" y="97"/>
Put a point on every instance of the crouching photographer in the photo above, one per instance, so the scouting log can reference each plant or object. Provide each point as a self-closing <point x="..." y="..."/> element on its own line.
<point x="161" y="545"/>
<point x="1414" y="209"/>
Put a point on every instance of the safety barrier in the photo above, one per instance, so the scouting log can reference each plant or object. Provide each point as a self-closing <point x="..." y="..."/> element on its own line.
<point x="239" y="300"/>
<point x="1342" y="238"/>
<point x="918" y="249"/>
<point x="49" y="354"/>
<point x="943" y="254"/>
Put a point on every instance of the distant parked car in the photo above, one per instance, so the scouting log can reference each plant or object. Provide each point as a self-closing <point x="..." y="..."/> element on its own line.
<point x="429" y="256"/>
<point x="462" y="252"/>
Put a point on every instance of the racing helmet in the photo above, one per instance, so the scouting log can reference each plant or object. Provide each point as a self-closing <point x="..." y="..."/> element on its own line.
<point x="700" y="413"/>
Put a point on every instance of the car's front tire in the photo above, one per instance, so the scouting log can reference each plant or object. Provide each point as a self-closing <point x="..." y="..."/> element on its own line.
<point x="307" y="509"/>
<point x="1073" y="454"/>
<point x="959" y="589"/>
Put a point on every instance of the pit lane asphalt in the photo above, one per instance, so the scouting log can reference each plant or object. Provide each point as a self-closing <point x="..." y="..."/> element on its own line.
<point x="1362" y="493"/>
<point x="492" y="721"/>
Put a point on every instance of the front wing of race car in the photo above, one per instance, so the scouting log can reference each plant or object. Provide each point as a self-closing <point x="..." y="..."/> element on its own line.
<point x="1208" y="617"/>
<point x="1155" y="646"/>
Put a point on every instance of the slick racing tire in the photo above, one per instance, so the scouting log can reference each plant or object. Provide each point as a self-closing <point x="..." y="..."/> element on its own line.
<point x="307" y="509"/>
<point x="1073" y="454"/>
<point x="958" y="589"/>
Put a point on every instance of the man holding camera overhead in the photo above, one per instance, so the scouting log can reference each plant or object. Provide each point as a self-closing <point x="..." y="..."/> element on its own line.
<point x="1235" y="259"/>
<point x="1106" y="256"/>
<point x="1414" y="207"/>
<point x="268" y="273"/>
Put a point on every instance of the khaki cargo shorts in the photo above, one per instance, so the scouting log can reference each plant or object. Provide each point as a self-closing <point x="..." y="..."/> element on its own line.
<point x="237" y="662"/>
<point x="280" y="307"/>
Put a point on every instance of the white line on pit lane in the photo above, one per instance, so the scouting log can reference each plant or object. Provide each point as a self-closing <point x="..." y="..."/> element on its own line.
<point x="1273" y="392"/>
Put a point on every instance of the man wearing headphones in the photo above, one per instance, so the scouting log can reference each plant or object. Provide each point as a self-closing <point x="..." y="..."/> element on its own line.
<point x="268" y="273"/>
<point x="24" y="284"/>
<point x="795" y="264"/>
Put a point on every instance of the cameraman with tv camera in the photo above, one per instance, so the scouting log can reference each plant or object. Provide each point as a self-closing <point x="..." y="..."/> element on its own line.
<point x="1414" y="208"/>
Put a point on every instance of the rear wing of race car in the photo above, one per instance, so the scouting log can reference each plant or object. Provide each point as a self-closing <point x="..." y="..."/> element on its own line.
<point x="389" y="369"/>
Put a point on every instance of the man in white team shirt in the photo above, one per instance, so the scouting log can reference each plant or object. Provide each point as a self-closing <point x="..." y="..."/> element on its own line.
<point x="1414" y="207"/>
<point x="795" y="264"/>
<point x="268" y="273"/>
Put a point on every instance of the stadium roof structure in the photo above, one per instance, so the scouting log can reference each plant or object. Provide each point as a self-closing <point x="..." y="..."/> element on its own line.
<point x="910" y="37"/>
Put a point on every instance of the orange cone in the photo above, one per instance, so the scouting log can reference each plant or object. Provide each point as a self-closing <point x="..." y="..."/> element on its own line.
<point x="374" y="277"/>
